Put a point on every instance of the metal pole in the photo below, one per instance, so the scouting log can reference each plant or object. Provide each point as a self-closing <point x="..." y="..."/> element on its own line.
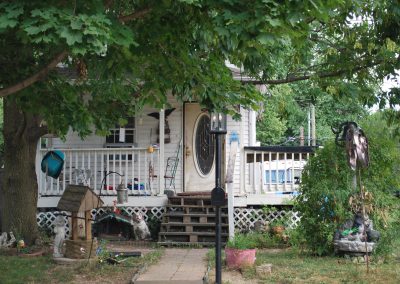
<point x="313" y="132"/>
<point x="218" y="212"/>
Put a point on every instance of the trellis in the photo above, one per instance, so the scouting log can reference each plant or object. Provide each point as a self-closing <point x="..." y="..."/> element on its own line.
<point x="46" y="220"/>
<point x="244" y="218"/>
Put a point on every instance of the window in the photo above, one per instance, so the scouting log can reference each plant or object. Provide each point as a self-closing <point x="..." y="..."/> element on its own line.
<point x="113" y="140"/>
<point x="278" y="176"/>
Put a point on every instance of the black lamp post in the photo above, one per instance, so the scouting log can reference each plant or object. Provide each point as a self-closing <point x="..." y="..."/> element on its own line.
<point x="218" y="199"/>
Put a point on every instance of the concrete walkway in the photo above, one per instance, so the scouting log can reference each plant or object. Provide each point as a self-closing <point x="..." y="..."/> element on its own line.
<point x="177" y="266"/>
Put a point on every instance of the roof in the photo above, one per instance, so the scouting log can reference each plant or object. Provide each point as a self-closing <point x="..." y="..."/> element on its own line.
<point x="79" y="198"/>
<point x="113" y="215"/>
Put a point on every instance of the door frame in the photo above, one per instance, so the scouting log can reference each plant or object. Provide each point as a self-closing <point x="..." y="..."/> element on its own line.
<point x="223" y="156"/>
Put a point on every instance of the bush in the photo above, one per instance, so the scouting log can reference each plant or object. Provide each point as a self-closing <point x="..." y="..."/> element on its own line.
<point x="242" y="241"/>
<point x="327" y="185"/>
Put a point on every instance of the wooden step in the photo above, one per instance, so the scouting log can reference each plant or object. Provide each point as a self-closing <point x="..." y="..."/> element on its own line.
<point x="190" y="200"/>
<point x="192" y="244"/>
<point x="193" y="218"/>
<point x="192" y="237"/>
<point x="192" y="227"/>
<point x="189" y="209"/>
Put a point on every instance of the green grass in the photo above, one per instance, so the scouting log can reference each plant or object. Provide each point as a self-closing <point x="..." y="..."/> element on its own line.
<point x="42" y="269"/>
<point x="289" y="267"/>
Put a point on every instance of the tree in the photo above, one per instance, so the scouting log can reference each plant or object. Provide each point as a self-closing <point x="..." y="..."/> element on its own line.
<point x="131" y="53"/>
<point x="286" y="110"/>
<point x="327" y="186"/>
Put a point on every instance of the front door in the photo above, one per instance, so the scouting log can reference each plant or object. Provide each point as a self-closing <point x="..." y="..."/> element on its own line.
<point x="199" y="171"/>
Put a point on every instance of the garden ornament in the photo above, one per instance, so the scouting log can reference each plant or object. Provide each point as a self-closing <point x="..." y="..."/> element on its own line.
<point x="3" y="239"/>
<point x="356" y="143"/>
<point x="59" y="230"/>
<point x="140" y="228"/>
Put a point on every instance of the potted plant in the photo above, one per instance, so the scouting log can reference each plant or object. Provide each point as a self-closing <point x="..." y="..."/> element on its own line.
<point x="240" y="251"/>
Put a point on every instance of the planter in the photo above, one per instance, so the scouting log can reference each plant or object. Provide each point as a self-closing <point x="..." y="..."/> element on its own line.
<point x="238" y="258"/>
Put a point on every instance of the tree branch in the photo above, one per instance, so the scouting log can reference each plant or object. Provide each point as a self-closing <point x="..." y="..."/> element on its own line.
<point x="330" y="74"/>
<point x="134" y="15"/>
<point x="53" y="63"/>
<point x="34" y="78"/>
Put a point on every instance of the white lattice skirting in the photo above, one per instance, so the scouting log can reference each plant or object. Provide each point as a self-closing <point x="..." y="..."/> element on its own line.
<point x="45" y="220"/>
<point x="244" y="218"/>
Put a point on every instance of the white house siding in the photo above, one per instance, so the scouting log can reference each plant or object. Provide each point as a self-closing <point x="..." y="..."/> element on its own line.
<point x="242" y="128"/>
<point x="144" y="125"/>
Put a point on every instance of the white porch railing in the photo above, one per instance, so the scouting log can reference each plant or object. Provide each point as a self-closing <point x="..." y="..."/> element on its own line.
<point x="274" y="169"/>
<point x="135" y="168"/>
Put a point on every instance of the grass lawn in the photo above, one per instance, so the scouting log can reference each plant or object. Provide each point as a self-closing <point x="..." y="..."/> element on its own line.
<point x="290" y="267"/>
<point x="42" y="269"/>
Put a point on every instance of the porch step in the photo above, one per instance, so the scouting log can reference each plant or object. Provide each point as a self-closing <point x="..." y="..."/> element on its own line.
<point x="190" y="200"/>
<point x="192" y="227"/>
<point x="190" y="219"/>
<point x="180" y="217"/>
<point x="190" y="237"/>
<point x="197" y="209"/>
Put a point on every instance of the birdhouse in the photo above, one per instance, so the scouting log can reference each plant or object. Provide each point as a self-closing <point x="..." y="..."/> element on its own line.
<point x="77" y="199"/>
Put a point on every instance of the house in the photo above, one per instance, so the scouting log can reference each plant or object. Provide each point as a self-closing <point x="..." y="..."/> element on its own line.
<point x="166" y="149"/>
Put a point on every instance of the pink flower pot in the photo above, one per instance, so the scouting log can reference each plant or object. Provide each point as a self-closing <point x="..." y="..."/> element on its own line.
<point x="237" y="258"/>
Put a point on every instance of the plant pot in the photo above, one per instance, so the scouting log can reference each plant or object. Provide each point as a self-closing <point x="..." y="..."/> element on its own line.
<point x="238" y="258"/>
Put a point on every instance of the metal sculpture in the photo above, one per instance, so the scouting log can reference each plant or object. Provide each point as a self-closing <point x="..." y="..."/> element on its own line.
<point x="350" y="135"/>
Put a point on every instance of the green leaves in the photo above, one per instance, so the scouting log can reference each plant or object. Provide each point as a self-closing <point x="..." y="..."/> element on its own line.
<point x="9" y="14"/>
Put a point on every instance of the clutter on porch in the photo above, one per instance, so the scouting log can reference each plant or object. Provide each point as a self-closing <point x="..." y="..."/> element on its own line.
<point x="79" y="199"/>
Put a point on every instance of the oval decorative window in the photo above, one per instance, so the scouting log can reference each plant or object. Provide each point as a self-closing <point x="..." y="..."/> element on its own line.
<point x="203" y="145"/>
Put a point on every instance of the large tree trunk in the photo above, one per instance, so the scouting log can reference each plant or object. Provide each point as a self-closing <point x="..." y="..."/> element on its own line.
<point x="20" y="189"/>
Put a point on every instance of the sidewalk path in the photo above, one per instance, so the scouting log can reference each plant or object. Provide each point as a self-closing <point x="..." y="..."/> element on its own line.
<point x="177" y="266"/>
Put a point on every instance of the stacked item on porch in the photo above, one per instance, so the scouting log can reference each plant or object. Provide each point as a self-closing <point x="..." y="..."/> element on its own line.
<point x="190" y="219"/>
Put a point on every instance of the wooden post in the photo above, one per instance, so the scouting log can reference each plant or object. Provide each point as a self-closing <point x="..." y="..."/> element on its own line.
<point x="229" y="182"/>
<point x="88" y="225"/>
<point x="301" y="136"/>
<point x="74" y="226"/>
<point x="161" y="152"/>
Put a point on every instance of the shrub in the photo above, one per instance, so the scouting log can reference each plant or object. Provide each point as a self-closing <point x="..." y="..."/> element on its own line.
<point x="327" y="185"/>
<point x="242" y="241"/>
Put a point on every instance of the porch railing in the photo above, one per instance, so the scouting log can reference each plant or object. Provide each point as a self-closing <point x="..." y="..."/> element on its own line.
<point x="274" y="169"/>
<point x="103" y="170"/>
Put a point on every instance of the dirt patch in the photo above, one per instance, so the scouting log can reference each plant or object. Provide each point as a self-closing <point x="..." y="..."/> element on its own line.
<point x="231" y="277"/>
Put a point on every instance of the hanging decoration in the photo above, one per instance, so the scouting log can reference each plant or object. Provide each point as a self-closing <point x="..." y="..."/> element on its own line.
<point x="52" y="163"/>
<point x="167" y="130"/>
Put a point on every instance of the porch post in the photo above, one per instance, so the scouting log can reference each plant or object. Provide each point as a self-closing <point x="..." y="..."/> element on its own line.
<point x="161" y="152"/>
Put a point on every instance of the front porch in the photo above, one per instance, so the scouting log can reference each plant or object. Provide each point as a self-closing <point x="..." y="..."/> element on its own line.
<point x="268" y="175"/>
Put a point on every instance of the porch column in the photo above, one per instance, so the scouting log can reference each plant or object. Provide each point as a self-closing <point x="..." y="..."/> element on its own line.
<point x="161" y="152"/>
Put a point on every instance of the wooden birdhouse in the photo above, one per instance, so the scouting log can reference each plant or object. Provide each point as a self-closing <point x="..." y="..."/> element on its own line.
<point x="79" y="199"/>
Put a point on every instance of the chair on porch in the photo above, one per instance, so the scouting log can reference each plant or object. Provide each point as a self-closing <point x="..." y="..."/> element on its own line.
<point x="170" y="169"/>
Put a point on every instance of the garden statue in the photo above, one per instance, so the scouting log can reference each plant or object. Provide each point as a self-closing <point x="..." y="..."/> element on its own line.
<point x="59" y="230"/>
<point x="352" y="235"/>
<point x="358" y="236"/>
<point x="140" y="228"/>
<point x="3" y="240"/>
